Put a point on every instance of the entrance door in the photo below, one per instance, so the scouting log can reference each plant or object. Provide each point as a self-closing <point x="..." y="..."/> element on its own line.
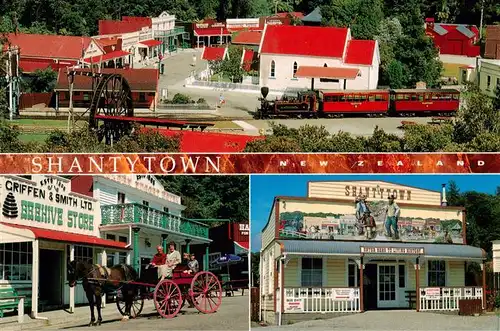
<point x="387" y="282"/>
<point x="51" y="278"/>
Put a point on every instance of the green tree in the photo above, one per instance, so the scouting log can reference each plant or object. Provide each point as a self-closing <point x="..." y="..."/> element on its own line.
<point x="453" y="194"/>
<point x="496" y="100"/>
<point x="362" y="16"/>
<point x="395" y="75"/>
<point x="476" y="116"/>
<point x="255" y="268"/>
<point x="43" y="80"/>
<point x="230" y="67"/>
<point x="211" y="197"/>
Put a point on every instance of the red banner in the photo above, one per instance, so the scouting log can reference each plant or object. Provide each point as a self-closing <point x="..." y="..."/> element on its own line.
<point x="177" y="163"/>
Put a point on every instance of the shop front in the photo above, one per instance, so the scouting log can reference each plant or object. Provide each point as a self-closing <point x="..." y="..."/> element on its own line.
<point x="137" y="211"/>
<point x="321" y="254"/>
<point x="43" y="226"/>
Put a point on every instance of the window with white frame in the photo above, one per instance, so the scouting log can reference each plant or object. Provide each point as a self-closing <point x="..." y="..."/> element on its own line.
<point x="16" y="261"/>
<point x="328" y="80"/>
<point x="273" y="69"/>
<point x="436" y="274"/>
<point x="295" y="67"/>
<point x="312" y="272"/>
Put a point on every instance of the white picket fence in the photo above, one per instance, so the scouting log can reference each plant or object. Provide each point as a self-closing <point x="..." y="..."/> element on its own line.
<point x="447" y="298"/>
<point x="322" y="300"/>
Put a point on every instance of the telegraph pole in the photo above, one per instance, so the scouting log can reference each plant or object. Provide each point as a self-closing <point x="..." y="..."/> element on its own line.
<point x="481" y="21"/>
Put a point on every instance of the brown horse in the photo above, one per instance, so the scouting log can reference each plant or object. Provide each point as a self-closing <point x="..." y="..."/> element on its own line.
<point x="98" y="280"/>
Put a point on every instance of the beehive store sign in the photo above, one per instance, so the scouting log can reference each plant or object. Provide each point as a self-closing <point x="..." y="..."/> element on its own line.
<point x="47" y="204"/>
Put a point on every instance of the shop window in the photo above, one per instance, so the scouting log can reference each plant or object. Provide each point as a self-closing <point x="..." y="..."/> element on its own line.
<point x="273" y="69"/>
<point x="86" y="96"/>
<point x="295" y="67"/>
<point x="122" y="258"/>
<point x="66" y="95"/>
<point x="312" y="272"/>
<point x="142" y="96"/>
<point x="16" y="261"/>
<point x="353" y="275"/>
<point x="436" y="274"/>
<point x="121" y="197"/>
<point x="84" y="254"/>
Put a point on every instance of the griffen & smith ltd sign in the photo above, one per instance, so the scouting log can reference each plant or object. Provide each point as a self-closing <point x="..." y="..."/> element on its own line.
<point x="47" y="203"/>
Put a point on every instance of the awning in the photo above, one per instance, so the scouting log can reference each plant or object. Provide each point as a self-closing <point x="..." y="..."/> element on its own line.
<point x="326" y="72"/>
<point x="352" y="248"/>
<point x="66" y="237"/>
<point x="212" y="32"/>
<point x="242" y="244"/>
<point x="106" y="57"/>
<point x="151" y="43"/>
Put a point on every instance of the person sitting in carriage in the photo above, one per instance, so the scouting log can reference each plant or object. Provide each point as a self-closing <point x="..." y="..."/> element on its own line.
<point x="193" y="265"/>
<point x="172" y="260"/>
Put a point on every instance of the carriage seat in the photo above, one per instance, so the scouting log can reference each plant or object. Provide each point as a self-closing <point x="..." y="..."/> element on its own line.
<point x="178" y="272"/>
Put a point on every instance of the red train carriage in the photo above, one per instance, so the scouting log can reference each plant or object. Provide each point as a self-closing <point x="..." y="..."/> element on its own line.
<point x="339" y="103"/>
<point x="443" y="102"/>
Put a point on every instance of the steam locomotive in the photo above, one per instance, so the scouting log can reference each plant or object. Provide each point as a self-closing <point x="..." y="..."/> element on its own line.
<point x="374" y="103"/>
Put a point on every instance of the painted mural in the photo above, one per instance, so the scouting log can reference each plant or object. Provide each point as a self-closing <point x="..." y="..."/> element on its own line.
<point x="374" y="221"/>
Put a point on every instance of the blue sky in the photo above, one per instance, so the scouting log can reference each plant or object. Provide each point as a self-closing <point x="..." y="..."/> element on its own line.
<point x="263" y="189"/>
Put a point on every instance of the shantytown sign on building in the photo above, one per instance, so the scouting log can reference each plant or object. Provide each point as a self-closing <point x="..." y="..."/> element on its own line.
<point x="47" y="202"/>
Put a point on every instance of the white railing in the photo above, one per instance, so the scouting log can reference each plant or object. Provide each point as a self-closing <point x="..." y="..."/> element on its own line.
<point x="322" y="300"/>
<point x="446" y="298"/>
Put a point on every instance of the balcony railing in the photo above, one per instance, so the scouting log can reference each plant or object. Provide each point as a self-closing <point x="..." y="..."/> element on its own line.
<point x="447" y="298"/>
<point x="135" y="213"/>
<point x="321" y="300"/>
<point x="173" y="32"/>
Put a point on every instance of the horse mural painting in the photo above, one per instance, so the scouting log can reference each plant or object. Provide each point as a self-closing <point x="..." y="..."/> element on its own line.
<point x="98" y="280"/>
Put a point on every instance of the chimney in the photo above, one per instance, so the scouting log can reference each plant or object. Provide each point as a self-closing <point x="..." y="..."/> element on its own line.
<point x="444" y="203"/>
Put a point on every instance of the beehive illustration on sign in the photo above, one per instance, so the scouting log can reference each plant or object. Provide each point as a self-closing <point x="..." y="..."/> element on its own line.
<point x="9" y="208"/>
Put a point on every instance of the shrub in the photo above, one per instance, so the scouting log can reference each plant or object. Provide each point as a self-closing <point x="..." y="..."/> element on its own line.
<point x="181" y="99"/>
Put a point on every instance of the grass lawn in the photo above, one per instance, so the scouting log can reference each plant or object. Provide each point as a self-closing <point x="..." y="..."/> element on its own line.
<point x="27" y="137"/>
<point x="451" y="69"/>
<point x="42" y="123"/>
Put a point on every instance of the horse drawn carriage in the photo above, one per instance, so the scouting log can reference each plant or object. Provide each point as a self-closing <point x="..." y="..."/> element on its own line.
<point x="202" y="290"/>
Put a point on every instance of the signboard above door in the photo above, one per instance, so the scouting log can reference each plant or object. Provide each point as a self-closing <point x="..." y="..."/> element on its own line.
<point x="393" y="250"/>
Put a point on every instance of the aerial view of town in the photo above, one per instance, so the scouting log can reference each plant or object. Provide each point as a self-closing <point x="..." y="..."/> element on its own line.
<point x="337" y="75"/>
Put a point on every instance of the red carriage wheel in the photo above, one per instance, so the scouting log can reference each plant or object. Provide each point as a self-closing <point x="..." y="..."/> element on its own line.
<point x="206" y="292"/>
<point x="168" y="298"/>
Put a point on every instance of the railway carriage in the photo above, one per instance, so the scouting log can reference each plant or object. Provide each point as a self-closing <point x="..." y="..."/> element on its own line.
<point x="444" y="102"/>
<point x="338" y="103"/>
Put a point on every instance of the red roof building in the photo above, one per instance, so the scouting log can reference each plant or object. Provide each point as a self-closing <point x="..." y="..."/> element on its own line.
<point x="209" y="142"/>
<point x="249" y="60"/>
<point x="284" y="49"/>
<point x="454" y="39"/>
<point x="214" y="53"/>
<point x="43" y="51"/>
<point x="143" y="83"/>
<point x="248" y="38"/>
<point x="126" y="25"/>
<point x="210" y="33"/>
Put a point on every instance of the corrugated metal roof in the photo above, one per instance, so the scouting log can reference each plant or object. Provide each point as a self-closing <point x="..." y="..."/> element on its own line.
<point x="465" y="31"/>
<point x="439" y="29"/>
<point x="354" y="248"/>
